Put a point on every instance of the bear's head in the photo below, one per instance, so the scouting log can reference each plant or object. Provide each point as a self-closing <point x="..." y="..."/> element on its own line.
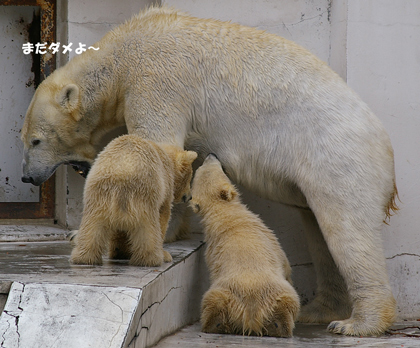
<point x="211" y="186"/>
<point x="54" y="133"/>
<point x="183" y="161"/>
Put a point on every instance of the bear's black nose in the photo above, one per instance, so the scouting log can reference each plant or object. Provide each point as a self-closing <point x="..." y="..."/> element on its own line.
<point x="212" y="154"/>
<point x="27" y="179"/>
<point x="186" y="198"/>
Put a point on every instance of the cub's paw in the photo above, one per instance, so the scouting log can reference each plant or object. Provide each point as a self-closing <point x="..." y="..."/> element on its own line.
<point x="285" y="313"/>
<point x="214" y="311"/>
<point x="166" y="256"/>
<point x="215" y="324"/>
<point x="72" y="236"/>
<point x="78" y="258"/>
<point x="279" y="328"/>
<point x="147" y="260"/>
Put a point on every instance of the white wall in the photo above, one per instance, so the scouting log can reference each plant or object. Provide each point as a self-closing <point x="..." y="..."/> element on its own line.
<point x="374" y="45"/>
<point x="383" y="66"/>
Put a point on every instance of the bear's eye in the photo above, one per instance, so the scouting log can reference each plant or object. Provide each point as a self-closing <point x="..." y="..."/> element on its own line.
<point x="35" y="142"/>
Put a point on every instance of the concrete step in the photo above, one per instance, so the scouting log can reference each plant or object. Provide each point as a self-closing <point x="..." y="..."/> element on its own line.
<point x="51" y="303"/>
<point x="305" y="335"/>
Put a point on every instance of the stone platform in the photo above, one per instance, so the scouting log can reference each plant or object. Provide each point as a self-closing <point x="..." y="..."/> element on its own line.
<point x="51" y="303"/>
<point x="304" y="335"/>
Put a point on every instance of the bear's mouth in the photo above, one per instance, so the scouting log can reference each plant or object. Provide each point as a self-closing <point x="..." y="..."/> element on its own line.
<point x="81" y="167"/>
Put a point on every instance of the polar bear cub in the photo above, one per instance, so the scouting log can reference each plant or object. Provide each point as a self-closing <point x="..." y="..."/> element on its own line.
<point x="251" y="291"/>
<point x="127" y="198"/>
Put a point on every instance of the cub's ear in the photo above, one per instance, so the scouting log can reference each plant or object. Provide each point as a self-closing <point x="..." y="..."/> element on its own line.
<point x="195" y="206"/>
<point x="186" y="158"/>
<point x="227" y="193"/>
<point x="189" y="156"/>
<point x="69" y="98"/>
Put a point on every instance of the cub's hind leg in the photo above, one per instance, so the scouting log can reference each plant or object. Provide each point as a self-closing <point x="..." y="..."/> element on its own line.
<point x="146" y="240"/>
<point x="164" y="218"/>
<point x="91" y="241"/>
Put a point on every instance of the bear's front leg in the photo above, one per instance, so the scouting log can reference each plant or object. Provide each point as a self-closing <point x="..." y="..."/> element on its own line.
<point x="353" y="238"/>
<point x="332" y="300"/>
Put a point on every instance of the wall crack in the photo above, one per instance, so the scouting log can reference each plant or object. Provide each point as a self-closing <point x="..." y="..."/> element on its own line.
<point x="15" y="314"/>
<point x="402" y="254"/>
<point x="159" y="302"/>
<point x="121" y="321"/>
<point x="2" y="335"/>
<point x="145" y="326"/>
<point x="303" y="19"/>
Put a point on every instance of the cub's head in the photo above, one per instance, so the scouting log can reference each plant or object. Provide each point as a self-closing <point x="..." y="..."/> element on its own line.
<point x="54" y="132"/>
<point x="211" y="186"/>
<point x="183" y="171"/>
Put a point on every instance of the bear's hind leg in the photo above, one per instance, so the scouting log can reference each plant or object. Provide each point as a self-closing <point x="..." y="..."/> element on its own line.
<point x="353" y="238"/>
<point x="332" y="300"/>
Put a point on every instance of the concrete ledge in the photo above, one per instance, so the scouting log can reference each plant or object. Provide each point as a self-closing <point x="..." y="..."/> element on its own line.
<point x="405" y="334"/>
<point x="169" y="302"/>
<point x="54" y="304"/>
<point x="31" y="233"/>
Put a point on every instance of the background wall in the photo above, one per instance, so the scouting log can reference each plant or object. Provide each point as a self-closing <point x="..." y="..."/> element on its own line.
<point x="373" y="45"/>
<point x="383" y="66"/>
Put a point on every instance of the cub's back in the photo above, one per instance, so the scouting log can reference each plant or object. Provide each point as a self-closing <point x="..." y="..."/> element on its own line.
<point x="129" y="161"/>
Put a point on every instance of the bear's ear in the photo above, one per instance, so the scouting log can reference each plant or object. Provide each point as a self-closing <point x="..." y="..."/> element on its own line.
<point x="227" y="193"/>
<point x="68" y="98"/>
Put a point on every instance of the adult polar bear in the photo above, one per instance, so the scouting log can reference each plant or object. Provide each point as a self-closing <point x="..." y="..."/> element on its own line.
<point x="282" y="123"/>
